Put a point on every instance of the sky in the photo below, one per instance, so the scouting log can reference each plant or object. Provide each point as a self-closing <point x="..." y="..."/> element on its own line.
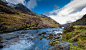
<point x="62" y="11"/>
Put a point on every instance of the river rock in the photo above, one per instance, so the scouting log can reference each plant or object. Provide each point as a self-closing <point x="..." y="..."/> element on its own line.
<point x="22" y="32"/>
<point x="1" y="45"/>
<point x="1" y="38"/>
<point x="51" y="36"/>
<point x="39" y="34"/>
<point x="11" y="28"/>
<point x="59" y="33"/>
<point x="42" y="36"/>
<point x="55" y="34"/>
<point x="62" y="46"/>
<point x="45" y="36"/>
<point x="54" y="30"/>
<point x="43" y="32"/>
<point x="56" y="37"/>
<point x="1" y="24"/>
<point x="2" y="28"/>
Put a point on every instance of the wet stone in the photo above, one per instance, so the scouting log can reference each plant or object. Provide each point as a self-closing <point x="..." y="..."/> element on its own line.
<point x="1" y="45"/>
<point x="1" y="38"/>
<point x="22" y="32"/>
<point x="42" y="35"/>
<point x="56" y="37"/>
<point x="62" y="46"/>
<point x="43" y="32"/>
<point x="40" y="38"/>
<point x="39" y="34"/>
<point x="51" y="36"/>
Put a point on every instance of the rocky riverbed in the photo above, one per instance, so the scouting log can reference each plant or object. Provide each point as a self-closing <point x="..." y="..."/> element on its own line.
<point x="40" y="39"/>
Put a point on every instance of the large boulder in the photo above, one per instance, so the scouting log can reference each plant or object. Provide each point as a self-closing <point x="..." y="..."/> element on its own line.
<point x="1" y="45"/>
<point x="63" y="46"/>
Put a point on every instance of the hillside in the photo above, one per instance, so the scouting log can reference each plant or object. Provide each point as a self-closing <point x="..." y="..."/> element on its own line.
<point x="81" y="21"/>
<point x="76" y="32"/>
<point x="15" y="19"/>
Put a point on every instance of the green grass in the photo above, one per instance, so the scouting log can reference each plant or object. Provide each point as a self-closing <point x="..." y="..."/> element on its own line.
<point x="78" y="35"/>
<point x="81" y="21"/>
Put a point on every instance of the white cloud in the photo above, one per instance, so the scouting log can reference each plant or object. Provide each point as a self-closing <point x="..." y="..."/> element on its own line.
<point x="16" y="1"/>
<point x="70" y="12"/>
<point x="31" y="4"/>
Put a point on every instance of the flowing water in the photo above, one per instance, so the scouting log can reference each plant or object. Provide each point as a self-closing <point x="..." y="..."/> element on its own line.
<point x="27" y="39"/>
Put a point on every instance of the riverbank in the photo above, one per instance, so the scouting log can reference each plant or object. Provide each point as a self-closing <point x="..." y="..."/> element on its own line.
<point x="74" y="34"/>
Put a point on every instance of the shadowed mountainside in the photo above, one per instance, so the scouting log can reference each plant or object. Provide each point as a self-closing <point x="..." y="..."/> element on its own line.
<point x="81" y="21"/>
<point x="15" y="19"/>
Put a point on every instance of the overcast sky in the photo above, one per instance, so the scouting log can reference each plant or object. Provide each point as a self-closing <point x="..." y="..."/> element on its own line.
<point x="60" y="10"/>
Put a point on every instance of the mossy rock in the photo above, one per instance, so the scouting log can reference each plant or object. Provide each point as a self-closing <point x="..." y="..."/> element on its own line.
<point x="42" y="35"/>
<point x="43" y="32"/>
<point x="22" y="32"/>
<point x="51" y="36"/>
<point x="10" y="28"/>
<point x="53" y="43"/>
<point x="64" y="31"/>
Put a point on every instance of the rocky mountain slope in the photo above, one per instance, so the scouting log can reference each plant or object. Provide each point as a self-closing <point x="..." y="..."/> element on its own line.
<point x="15" y="18"/>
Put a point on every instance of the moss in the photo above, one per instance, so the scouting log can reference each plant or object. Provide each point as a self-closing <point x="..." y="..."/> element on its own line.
<point x="67" y="36"/>
<point x="74" y="47"/>
<point x="64" y="31"/>
<point x="53" y="43"/>
<point x="78" y="35"/>
<point x="51" y="36"/>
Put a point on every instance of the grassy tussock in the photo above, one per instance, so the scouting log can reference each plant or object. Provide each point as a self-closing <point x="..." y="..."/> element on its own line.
<point x="78" y="35"/>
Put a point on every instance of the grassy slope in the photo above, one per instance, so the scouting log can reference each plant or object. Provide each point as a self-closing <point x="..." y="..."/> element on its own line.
<point x="77" y="35"/>
<point x="21" y="20"/>
<point x="81" y="21"/>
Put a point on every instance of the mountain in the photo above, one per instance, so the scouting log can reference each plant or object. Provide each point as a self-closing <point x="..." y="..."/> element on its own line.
<point x="19" y="17"/>
<point x="81" y="21"/>
<point x="46" y="16"/>
<point x="21" y="8"/>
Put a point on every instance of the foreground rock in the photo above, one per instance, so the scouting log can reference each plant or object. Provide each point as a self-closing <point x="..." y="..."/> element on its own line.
<point x="11" y="28"/>
<point x="1" y="24"/>
<point x="63" y="46"/>
<point x="1" y="45"/>
<point x="0" y="38"/>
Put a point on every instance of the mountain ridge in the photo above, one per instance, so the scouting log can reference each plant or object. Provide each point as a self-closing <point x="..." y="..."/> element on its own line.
<point x="14" y="19"/>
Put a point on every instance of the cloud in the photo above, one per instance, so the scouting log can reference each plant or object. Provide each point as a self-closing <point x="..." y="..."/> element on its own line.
<point x="32" y="4"/>
<point x="70" y="12"/>
<point x="16" y="1"/>
<point x="56" y="7"/>
<point x="50" y="13"/>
